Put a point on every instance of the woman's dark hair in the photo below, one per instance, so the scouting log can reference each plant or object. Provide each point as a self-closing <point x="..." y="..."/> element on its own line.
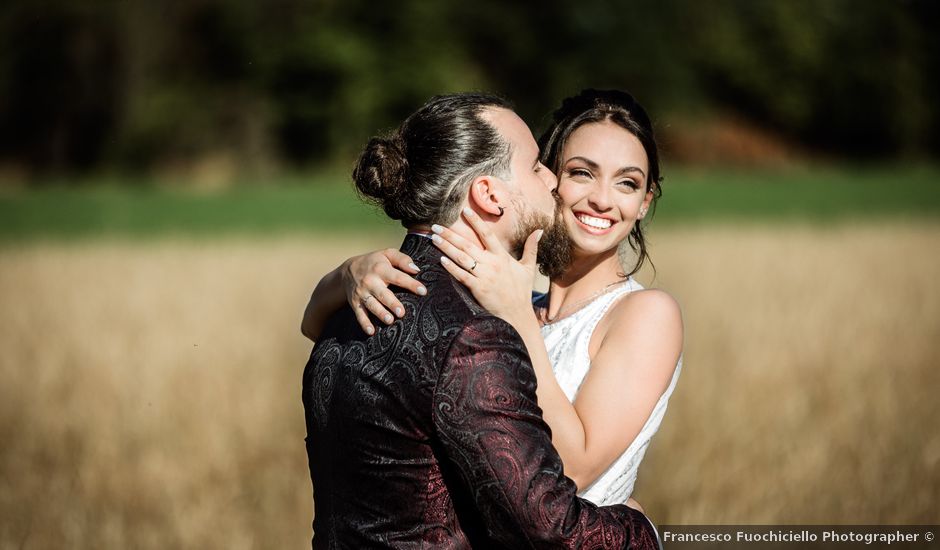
<point x="623" y="110"/>
<point x="420" y="172"/>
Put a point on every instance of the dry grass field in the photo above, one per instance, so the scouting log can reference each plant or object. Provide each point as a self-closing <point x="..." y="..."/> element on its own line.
<point x="150" y="391"/>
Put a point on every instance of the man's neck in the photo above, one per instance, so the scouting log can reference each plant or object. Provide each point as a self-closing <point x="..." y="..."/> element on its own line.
<point x="423" y="230"/>
<point x="460" y="227"/>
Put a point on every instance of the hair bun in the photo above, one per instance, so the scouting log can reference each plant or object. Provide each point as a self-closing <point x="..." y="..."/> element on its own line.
<point x="590" y="98"/>
<point x="381" y="172"/>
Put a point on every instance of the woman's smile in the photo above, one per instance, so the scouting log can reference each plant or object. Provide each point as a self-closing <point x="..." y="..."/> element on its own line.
<point x="594" y="224"/>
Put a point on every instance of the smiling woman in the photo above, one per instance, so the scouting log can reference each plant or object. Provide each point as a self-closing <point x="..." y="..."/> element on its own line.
<point x="606" y="200"/>
<point x="597" y="126"/>
<point x="608" y="353"/>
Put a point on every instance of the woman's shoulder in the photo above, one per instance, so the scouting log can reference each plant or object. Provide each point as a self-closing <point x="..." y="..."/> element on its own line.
<point x="649" y="306"/>
<point x="650" y="298"/>
<point x="648" y="319"/>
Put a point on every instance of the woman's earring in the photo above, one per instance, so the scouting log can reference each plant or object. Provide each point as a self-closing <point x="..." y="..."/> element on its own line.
<point x="500" y="215"/>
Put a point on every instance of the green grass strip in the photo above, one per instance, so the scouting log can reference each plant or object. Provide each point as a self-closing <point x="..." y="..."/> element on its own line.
<point x="324" y="204"/>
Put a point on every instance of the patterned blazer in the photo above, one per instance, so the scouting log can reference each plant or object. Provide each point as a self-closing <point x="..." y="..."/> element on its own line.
<point x="428" y="434"/>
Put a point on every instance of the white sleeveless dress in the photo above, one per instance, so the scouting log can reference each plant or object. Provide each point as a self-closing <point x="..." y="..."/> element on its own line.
<point x="567" y="341"/>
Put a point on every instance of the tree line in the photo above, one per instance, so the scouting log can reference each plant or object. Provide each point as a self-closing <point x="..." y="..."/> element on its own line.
<point x="131" y="84"/>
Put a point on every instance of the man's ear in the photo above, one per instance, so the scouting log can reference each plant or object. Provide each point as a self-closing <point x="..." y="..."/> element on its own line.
<point x="487" y="195"/>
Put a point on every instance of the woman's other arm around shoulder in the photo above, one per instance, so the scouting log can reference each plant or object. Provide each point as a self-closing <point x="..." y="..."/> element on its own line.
<point x="362" y="282"/>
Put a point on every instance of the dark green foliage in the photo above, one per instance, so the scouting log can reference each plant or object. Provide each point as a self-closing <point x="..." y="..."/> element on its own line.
<point x="135" y="85"/>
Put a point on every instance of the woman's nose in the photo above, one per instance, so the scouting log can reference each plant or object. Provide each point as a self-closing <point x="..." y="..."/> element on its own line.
<point x="599" y="198"/>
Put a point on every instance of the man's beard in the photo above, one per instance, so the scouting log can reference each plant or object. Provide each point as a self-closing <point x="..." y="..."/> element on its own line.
<point x="554" y="254"/>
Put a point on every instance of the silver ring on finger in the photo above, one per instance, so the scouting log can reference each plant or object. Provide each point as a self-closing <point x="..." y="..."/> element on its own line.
<point x="472" y="267"/>
<point x="365" y="301"/>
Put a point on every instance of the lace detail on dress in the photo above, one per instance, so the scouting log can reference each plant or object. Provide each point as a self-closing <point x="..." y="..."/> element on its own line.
<point x="567" y="341"/>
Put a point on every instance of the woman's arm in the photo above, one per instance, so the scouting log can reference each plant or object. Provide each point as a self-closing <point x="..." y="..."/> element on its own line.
<point x="326" y="298"/>
<point x="631" y="367"/>
<point x="362" y="282"/>
<point x="630" y="370"/>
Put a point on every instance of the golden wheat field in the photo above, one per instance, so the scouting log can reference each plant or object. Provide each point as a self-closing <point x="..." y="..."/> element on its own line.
<point x="150" y="390"/>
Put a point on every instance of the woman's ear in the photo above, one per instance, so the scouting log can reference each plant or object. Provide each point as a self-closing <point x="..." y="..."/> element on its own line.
<point x="645" y="205"/>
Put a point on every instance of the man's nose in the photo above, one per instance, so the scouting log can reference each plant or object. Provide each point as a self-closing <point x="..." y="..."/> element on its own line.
<point x="550" y="180"/>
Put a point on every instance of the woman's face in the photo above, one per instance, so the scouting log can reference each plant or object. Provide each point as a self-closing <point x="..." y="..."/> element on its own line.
<point x="603" y="186"/>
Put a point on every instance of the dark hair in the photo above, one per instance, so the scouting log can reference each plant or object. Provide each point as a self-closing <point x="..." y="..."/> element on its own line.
<point x="419" y="173"/>
<point x="621" y="109"/>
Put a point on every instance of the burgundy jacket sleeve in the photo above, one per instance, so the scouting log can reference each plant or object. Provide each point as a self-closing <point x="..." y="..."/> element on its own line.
<point x="489" y="423"/>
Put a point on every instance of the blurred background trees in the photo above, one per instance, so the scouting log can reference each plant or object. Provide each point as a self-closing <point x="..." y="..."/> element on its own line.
<point x="285" y="84"/>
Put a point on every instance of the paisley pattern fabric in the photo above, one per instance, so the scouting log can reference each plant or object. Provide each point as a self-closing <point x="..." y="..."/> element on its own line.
<point x="428" y="435"/>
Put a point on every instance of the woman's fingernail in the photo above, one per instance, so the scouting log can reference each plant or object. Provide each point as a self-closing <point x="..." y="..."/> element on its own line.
<point x="413" y="266"/>
<point x="436" y="238"/>
<point x="399" y="311"/>
<point x="445" y="260"/>
<point x="388" y="318"/>
<point x="370" y="331"/>
<point x="436" y="228"/>
<point x="539" y="236"/>
<point x="468" y="211"/>
<point x="422" y="291"/>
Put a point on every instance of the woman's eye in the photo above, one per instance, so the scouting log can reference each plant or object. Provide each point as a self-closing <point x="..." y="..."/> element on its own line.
<point x="629" y="183"/>
<point x="579" y="172"/>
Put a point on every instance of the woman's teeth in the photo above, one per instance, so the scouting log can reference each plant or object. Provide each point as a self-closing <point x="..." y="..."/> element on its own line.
<point x="597" y="223"/>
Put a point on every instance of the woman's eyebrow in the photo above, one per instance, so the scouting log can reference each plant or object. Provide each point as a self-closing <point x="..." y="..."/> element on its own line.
<point x="594" y="166"/>
<point x="591" y="164"/>
<point x="627" y="169"/>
